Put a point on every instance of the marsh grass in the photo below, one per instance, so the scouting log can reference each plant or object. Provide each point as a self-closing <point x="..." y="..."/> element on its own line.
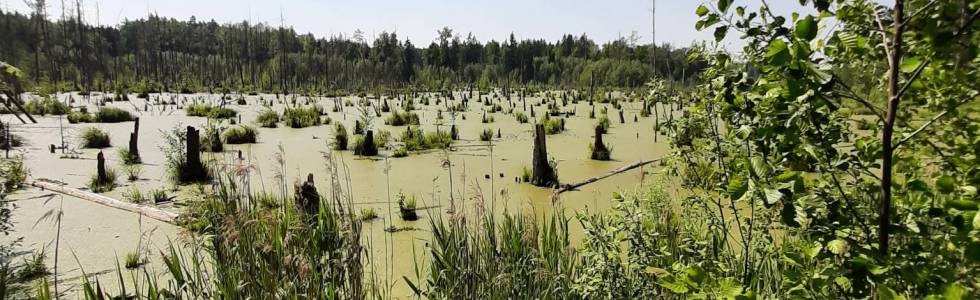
<point x="525" y="174"/>
<point x="113" y="115"/>
<point x="132" y="171"/>
<point x="406" y="207"/>
<point x="94" y="138"/>
<point x="46" y="106"/>
<point x="101" y="186"/>
<point x="209" y="111"/>
<point x="240" y="134"/>
<point x="302" y="117"/>
<point x="414" y="139"/>
<point x="134" y="260"/>
<point x="127" y="158"/>
<point x="402" y="118"/>
<point x="603" y="123"/>
<point x="268" y="119"/>
<point x="521" y="117"/>
<point x="135" y="195"/>
<point x="553" y="125"/>
<point x="486" y="135"/>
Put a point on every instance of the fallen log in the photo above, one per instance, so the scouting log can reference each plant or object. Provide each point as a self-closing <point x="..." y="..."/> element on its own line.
<point x="149" y="211"/>
<point x="622" y="169"/>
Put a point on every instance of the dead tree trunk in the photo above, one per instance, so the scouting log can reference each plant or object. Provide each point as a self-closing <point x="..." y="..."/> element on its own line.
<point x="599" y="150"/>
<point x="368" y="148"/>
<point x="101" y="176"/>
<point x="195" y="171"/>
<point x="134" y="153"/>
<point x="541" y="174"/>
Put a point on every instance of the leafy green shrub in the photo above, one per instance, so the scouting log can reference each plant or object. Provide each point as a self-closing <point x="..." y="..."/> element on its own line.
<point x="46" y="106"/>
<point x="80" y="117"/>
<point x="416" y="140"/>
<point x="402" y="119"/>
<point x="340" y="137"/>
<point x="159" y="196"/>
<point x="92" y="137"/>
<point x="13" y="173"/>
<point x="209" y="111"/>
<point x="113" y="115"/>
<point x="400" y="152"/>
<point x="268" y="119"/>
<point x="301" y="117"/>
<point x="211" y="139"/>
<point x="240" y="134"/>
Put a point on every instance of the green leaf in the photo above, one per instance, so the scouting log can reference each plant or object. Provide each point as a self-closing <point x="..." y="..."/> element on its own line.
<point x="702" y="10"/>
<point x="778" y="53"/>
<point x="806" y="28"/>
<point x="720" y="33"/>
<point x="886" y="293"/>
<point x="773" y="196"/>
<point x="674" y="287"/>
<point x="737" y="187"/>
<point x="787" y="176"/>
<point x="909" y="64"/>
<point x="659" y="272"/>
<point x="838" y="246"/>
<point x="946" y="184"/>
<point x="973" y="250"/>
<point x="723" y="5"/>
<point x="976" y="220"/>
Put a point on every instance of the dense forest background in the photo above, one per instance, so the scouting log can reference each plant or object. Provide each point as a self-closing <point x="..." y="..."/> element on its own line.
<point x="165" y="54"/>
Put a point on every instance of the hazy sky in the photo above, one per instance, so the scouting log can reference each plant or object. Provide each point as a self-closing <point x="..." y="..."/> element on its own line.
<point x="419" y="19"/>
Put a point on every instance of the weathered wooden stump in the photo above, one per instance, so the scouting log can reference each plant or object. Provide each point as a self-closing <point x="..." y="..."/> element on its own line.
<point x="599" y="150"/>
<point x="541" y="172"/>
<point x="101" y="176"/>
<point x="368" y="148"/>
<point x="307" y="197"/>
<point x="453" y="132"/>
<point x="134" y="153"/>
<point x="195" y="171"/>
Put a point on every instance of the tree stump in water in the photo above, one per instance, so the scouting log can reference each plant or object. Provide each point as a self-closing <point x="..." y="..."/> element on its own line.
<point x="134" y="153"/>
<point x="368" y="148"/>
<point x="307" y="198"/>
<point x="195" y="169"/>
<point x="541" y="174"/>
<point x="599" y="150"/>
<point x="101" y="176"/>
<point x="622" y="120"/>
<point x="453" y="132"/>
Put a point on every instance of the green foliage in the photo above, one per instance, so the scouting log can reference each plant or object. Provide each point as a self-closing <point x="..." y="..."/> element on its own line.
<point x="416" y="140"/>
<point x="268" y="119"/>
<point x="525" y="174"/>
<point x="403" y="118"/>
<point x="127" y="158"/>
<point x="302" y="117"/>
<point x="133" y="260"/>
<point x="521" y="117"/>
<point x="604" y="124"/>
<point x="600" y="153"/>
<point x="486" y="135"/>
<point x="113" y="115"/>
<point x="13" y="175"/>
<point x="94" y="138"/>
<point x="209" y="111"/>
<point x="340" y="137"/>
<point x="406" y="207"/>
<point x="553" y="126"/>
<point x="46" y="106"/>
<point x="368" y="214"/>
<point x="132" y="171"/>
<point x="135" y="195"/>
<point x="240" y="134"/>
<point x="101" y="186"/>
<point x="80" y="117"/>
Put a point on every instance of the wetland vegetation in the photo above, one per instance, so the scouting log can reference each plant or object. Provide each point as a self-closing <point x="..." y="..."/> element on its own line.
<point x="833" y="155"/>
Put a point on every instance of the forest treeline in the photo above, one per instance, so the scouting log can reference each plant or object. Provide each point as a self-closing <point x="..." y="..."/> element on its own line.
<point x="165" y="54"/>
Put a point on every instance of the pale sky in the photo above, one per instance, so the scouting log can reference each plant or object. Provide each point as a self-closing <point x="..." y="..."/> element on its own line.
<point x="420" y="19"/>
